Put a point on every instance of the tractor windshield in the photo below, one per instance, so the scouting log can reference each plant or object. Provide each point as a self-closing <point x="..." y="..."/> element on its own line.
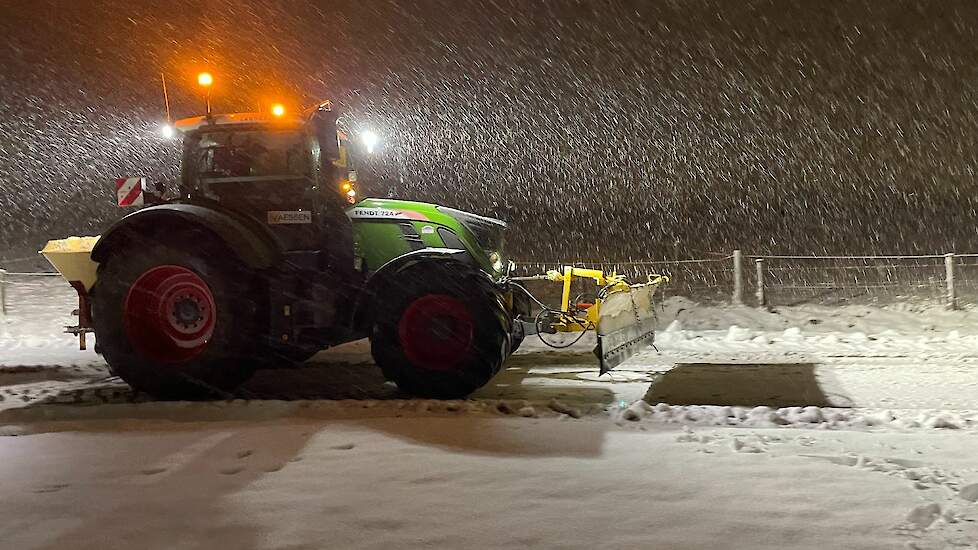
<point x="250" y="155"/>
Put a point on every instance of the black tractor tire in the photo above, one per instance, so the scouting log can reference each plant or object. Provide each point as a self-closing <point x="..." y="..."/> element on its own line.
<point x="213" y="351"/>
<point x="441" y="330"/>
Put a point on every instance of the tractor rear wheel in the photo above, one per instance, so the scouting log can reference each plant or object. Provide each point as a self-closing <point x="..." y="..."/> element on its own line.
<point x="176" y="322"/>
<point x="442" y="331"/>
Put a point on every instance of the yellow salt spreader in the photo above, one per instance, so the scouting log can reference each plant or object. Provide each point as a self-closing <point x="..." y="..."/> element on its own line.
<point x="72" y="258"/>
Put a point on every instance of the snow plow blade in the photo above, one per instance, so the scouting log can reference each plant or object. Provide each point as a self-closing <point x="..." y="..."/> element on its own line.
<point x="626" y="324"/>
<point x="622" y="315"/>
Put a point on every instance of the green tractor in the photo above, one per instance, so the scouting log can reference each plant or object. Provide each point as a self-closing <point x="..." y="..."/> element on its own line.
<point x="262" y="260"/>
<point x="265" y="257"/>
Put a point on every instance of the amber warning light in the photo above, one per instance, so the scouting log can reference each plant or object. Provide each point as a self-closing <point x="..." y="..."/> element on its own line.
<point x="349" y="191"/>
<point x="205" y="80"/>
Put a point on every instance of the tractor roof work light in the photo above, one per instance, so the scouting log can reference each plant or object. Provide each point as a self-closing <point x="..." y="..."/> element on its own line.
<point x="369" y="140"/>
<point x="278" y="110"/>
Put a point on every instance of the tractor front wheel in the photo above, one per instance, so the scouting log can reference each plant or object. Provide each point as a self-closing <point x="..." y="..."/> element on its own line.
<point x="175" y="323"/>
<point x="441" y="331"/>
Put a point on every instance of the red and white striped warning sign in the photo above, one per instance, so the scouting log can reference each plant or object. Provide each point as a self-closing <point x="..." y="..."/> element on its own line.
<point x="129" y="191"/>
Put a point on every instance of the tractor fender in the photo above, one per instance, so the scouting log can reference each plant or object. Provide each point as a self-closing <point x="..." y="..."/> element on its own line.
<point x="251" y="242"/>
<point x="387" y="273"/>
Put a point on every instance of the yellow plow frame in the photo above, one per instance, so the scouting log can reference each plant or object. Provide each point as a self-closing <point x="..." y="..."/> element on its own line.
<point x="622" y="315"/>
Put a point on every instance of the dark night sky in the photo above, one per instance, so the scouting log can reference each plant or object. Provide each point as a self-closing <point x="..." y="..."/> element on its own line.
<point x="601" y="129"/>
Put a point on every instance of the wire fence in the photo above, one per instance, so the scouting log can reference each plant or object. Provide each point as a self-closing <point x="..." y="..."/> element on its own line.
<point x="759" y="280"/>
<point x="777" y="280"/>
<point x="790" y="279"/>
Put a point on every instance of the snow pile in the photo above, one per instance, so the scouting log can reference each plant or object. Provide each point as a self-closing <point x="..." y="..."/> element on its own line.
<point x="797" y="417"/>
<point x="792" y="334"/>
<point x="673" y="333"/>
<point x="738" y="334"/>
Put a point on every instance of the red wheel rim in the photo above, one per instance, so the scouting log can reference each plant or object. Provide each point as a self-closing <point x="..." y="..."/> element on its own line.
<point x="169" y="314"/>
<point x="436" y="332"/>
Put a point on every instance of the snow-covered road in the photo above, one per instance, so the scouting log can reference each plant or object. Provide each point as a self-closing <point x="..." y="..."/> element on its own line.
<point x="478" y="482"/>
<point x="684" y="447"/>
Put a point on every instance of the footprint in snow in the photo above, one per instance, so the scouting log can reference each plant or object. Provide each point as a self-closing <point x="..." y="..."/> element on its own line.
<point x="741" y="447"/>
<point x="51" y="488"/>
<point x="841" y="460"/>
<point x="969" y="492"/>
<point x="343" y="447"/>
<point x="231" y="470"/>
<point x="905" y="462"/>
<point x="245" y="454"/>
<point x="922" y="516"/>
<point x="152" y="471"/>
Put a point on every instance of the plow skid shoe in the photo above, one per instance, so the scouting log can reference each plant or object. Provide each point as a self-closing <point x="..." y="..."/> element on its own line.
<point x="626" y="325"/>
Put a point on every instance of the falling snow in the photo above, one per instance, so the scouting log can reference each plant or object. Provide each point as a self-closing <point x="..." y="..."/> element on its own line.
<point x="603" y="130"/>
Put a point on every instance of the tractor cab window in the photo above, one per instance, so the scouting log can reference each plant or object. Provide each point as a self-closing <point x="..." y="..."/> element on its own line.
<point x="250" y="155"/>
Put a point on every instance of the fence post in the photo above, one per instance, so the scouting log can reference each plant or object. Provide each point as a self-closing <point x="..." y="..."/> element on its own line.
<point x="759" y="264"/>
<point x="952" y="301"/>
<point x="738" y="283"/>
<point x="3" y="294"/>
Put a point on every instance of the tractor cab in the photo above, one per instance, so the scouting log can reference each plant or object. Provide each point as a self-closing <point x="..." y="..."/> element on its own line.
<point x="290" y="172"/>
<point x="241" y="148"/>
<point x="244" y="148"/>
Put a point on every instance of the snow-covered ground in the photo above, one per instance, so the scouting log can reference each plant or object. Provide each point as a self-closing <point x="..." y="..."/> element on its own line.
<point x="483" y="482"/>
<point x="802" y="427"/>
